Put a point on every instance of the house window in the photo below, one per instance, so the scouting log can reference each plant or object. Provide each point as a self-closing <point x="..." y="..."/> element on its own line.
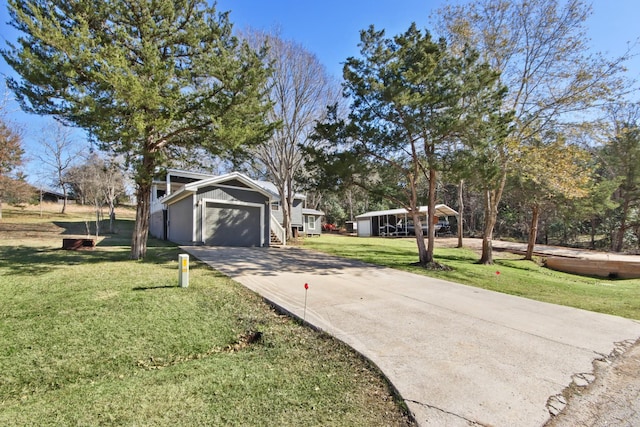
<point x="311" y="222"/>
<point x="275" y="206"/>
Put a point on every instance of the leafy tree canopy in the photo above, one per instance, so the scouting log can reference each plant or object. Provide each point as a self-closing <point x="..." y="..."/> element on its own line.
<point x="412" y="97"/>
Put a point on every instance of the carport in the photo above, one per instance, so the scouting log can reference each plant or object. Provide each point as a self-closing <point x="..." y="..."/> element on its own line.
<point x="397" y="222"/>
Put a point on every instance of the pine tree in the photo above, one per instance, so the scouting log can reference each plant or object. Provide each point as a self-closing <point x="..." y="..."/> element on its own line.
<point x="147" y="79"/>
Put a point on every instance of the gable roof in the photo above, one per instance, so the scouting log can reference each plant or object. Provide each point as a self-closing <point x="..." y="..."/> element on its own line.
<point x="193" y="187"/>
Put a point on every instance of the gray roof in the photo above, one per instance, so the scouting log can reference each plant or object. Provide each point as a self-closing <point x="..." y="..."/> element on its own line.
<point x="271" y="188"/>
<point x="306" y="211"/>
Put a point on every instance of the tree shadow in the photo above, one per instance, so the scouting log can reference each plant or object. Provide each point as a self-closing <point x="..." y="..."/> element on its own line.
<point x="33" y="260"/>
<point x="29" y="260"/>
<point x="150" y="288"/>
<point x="237" y="261"/>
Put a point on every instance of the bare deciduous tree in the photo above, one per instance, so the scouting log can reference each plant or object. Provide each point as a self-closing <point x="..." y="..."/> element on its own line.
<point x="58" y="155"/>
<point x="97" y="182"/>
<point x="301" y="89"/>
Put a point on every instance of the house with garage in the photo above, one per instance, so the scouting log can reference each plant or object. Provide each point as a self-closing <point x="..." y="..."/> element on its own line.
<point x="225" y="210"/>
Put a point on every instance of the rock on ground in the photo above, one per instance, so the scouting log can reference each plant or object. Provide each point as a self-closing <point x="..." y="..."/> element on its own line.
<point x="612" y="399"/>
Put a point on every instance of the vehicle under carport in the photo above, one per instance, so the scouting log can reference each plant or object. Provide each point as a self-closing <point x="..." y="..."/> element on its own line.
<point x="398" y="222"/>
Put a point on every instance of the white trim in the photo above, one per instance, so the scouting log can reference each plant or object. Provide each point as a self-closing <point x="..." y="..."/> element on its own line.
<point x="194" y="211"/>
<point x="216" y="181"/>
<point x="230" y="202"/>
<point x="312" y="224"/>
<point x="278" y="230"/>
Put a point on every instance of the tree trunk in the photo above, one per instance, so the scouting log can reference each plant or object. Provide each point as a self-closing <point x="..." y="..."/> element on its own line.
<point x="430" y="214"/>
<point x="64" y="200"/>
<point x="491" y="202"/>
<point x="112" y="217"/>
<point x="460" y="214"/>
<point x="422" y="248"/>
<point x="350" y="202"/>
<point x="1" y="209"/>
<point x="490" y="218"/>
<point x="623" y="227"/>
<point x="289" y="202"/>
<point x="97" y="219"/>
<point x="533" y="232"/>
<point x="141" y="226"/>
<point x="593" y="233"/>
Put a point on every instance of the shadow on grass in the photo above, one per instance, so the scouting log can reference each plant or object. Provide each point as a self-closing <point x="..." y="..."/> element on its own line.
<point x="30" y="260"/>
<point x="150" y="288"/>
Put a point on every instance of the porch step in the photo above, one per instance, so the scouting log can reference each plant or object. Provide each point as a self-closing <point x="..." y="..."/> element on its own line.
<point x="274" y="239"/>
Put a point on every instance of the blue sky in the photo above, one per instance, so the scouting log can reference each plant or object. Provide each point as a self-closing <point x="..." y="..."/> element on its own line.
<point x="330" y="29"/>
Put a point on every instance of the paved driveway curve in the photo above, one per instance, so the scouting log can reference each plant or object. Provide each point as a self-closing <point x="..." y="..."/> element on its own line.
<point x="458" y="355"/>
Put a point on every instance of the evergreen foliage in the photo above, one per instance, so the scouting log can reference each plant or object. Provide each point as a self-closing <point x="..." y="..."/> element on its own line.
<point x="147" y="79"/>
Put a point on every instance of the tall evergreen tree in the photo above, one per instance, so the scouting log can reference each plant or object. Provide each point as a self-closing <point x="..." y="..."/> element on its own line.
<point x="408" y="104"/>
<point x="146" y="78"/>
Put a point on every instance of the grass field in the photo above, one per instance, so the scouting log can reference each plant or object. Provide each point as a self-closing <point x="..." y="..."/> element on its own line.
<point x="510" y="274"/>
<point x="93" y="338"/>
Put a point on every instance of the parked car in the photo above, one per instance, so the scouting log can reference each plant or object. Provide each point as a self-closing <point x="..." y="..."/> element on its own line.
<point x="411" y="228"/>
<point x="387" y="230"/>
<point x="443" y="226"/>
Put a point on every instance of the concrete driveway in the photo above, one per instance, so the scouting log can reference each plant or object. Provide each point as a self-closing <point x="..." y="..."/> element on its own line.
<point x="458" y="355"/>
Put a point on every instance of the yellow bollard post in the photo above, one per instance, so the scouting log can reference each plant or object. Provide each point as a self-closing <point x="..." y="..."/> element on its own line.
<point x="183" y="270"/>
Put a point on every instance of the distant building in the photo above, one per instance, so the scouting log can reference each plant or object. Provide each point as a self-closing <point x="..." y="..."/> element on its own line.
<point x="55" y="197"/>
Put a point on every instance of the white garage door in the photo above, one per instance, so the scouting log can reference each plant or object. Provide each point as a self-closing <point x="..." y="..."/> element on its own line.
<point x="364" y="227"/>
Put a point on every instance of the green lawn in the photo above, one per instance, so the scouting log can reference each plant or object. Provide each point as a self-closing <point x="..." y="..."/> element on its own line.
<point x="92" y="338"/>
<point x="516" y="276"/>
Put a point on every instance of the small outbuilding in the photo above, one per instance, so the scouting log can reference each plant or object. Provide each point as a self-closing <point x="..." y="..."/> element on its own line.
<point x="399" y="222"/>
<point x="312" y="220"/>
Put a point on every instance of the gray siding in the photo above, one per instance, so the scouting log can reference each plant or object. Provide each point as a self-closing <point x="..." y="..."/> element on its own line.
<point x="231" y="194"/>
<point x="155" y="225"/>
<point x="296" y="213"/>
<point x="278" y="215"/>
<point x="180" y="228"/>
<point x="316" y="221"/>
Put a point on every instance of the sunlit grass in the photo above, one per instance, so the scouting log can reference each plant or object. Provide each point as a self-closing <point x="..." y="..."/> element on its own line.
<point x="510" y="274"/>
<point x="93" y="338"/>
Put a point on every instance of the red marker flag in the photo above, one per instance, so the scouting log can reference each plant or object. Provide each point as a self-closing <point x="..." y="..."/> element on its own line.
<point x="304" y="315"/>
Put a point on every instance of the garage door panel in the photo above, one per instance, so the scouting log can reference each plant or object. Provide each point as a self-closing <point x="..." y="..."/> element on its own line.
<point x="232" y="225"/>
